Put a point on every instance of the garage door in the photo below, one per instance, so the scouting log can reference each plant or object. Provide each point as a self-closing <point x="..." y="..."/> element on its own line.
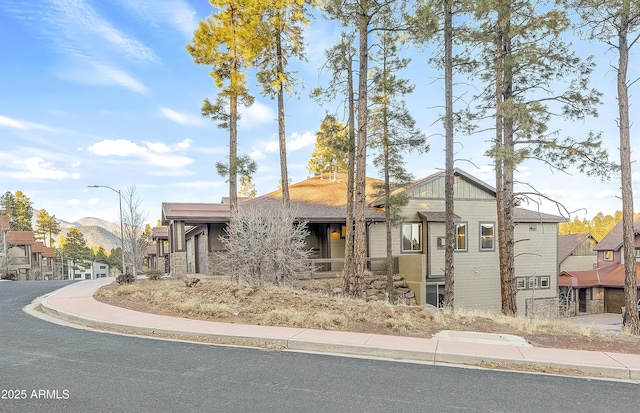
<point x="613" y="300"/>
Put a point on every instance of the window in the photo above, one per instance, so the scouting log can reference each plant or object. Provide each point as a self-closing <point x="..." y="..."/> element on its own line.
<point x="608" y="255"/>
<point x="411" y="237"/>
<point x="533" y="283"/>
<point x="486" y="237"/>
<point x="544" y="282"/>
<point x="441" y="243"/>
<point x="461" y="237"/>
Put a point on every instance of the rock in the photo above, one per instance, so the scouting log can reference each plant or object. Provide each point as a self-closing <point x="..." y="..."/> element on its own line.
<point x="372" y="298"/>
<point x="379" y="285"/>
<point x="398" y="277"/>
<point x="402" y="290"/>
<point x="430" y="309"/>
<point x="400" y="284"/>
<point x="191" y="282"/>
<point x="337" y="291"/>
<point x="370" y="292"/>
<point x="410" y="294"/>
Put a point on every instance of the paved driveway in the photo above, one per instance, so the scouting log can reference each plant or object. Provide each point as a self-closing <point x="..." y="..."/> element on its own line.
<point x="607" y="321"/>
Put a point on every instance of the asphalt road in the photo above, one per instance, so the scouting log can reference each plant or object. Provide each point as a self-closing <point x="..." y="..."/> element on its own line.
<point x="46" y="367"/>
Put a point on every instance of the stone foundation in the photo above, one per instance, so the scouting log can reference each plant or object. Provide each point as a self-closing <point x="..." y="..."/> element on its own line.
<point x="178" y="264"/>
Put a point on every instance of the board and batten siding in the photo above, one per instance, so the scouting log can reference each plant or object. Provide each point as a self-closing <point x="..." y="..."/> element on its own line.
<point x="536" y="255"/>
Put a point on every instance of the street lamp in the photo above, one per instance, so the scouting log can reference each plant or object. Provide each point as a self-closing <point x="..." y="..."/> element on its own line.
<point x="121" y="225"/>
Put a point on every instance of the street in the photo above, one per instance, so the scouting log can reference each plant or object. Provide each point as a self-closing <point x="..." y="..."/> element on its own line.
<point x="45" y="367"/>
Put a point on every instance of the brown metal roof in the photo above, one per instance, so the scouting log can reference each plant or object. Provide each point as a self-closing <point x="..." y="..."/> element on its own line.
<point x="38" y="246"/>
<point x="160" y="233"/>
<point x="49" y="252"/>
<point x="20" y="237"/>
<point x="609" y="276"/>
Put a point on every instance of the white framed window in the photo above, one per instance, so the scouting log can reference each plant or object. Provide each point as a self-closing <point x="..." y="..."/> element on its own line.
<point x="521" y="283"/>
<point x="411" y="237"/>
<point x="533" y="282"/>
<point x="545" y="282"/>
<point x="486" y="236"/>
<point x="608" y="255"/>
<point x="441" y="243"/>
<point x="461" y="237"/>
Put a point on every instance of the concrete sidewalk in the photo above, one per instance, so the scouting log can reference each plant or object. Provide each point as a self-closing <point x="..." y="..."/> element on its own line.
<point x="75" y="303"/>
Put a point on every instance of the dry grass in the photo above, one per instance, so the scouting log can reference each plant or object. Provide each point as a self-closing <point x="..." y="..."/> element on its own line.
<point x="312" y="305"/>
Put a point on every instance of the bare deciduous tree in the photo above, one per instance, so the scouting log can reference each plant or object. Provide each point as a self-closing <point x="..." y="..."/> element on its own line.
<point x="133" y="220"/>
<point x="265" y="246"/>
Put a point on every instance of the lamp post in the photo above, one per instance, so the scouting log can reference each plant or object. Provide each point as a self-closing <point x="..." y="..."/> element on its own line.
<point x="121" y="225"/>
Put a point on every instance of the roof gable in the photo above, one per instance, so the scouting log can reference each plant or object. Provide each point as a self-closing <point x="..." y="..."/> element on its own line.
<point x="613" y="240"/>
<point x="466" y="187"/>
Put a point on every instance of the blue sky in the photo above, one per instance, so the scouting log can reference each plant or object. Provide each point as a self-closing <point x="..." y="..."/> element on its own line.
<point x="104" y="93"/>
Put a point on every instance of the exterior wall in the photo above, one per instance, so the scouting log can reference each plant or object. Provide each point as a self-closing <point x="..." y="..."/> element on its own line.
<point x="412" y="267"/>
<point x="578" y="263"/>
<point x="536" y="247"/>
<point x="336" y="247"/>
<point x="178" y="264"/>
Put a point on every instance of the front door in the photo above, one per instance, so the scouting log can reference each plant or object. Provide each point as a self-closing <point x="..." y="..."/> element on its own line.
<point x="582" y="300"/>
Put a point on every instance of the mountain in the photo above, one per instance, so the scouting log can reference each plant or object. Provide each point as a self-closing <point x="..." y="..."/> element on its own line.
<point x="97" y="232"/>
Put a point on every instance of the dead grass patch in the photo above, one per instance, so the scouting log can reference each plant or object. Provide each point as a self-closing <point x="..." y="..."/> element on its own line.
<point x="312" y="304"/>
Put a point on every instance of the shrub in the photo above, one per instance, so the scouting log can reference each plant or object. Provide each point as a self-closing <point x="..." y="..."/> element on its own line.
<point x="264" y="246"/>
<point x="154" y="274"/>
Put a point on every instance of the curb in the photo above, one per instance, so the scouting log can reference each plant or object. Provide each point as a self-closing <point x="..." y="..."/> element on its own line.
<point x="392" y="353"/>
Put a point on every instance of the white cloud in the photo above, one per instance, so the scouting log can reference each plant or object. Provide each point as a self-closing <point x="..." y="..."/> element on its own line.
<point x="98" y="73"/>
<point x="154" y="154"/>
<point x="182" y="118"/>
<point x="297" y="141"/>
<point x="257" y="113"/>
<point x="272" y="146"/>
<point x="199" y="184"/>
<point x="23" y="125"/>
<point x="257" y="154"/>
<point x="94" y="201"/>
<point x="88" y="33"/>
<point x="119" y="147"/>
<point x="37" y="168"/>
<point x="176" y="13"/>
<point x="158" y="147"/>
<point x="73" y="201"/>
<point x="185" y="144"/>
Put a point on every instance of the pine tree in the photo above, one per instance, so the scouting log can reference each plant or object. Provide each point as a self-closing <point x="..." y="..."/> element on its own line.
<point x="331" y="151"/>
<point x="227" y="42"/>
<point x="525" y="60"/>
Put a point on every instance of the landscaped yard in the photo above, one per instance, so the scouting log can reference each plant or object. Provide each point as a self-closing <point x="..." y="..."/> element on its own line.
<point x="313" y="304"/>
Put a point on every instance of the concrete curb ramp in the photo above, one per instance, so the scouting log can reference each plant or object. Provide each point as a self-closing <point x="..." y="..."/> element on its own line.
<point x="75" y="303"/>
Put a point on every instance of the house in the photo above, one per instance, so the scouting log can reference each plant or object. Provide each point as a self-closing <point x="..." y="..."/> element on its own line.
<point x="576" y="252"/>
<point x="418" y="241"/>
<point x="20" y="255"/>
<point x="87" y="270"/>
<point x="158" y="253"/>
<point x="601" y="289"/>
<point x="194" y="228"/>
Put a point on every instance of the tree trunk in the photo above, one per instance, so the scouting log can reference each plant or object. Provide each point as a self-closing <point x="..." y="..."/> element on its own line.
<point x="504" y="161"/>
<point x="628" y="234"/>
<point x="360" y="240"/>
<point x="450" y="240"/>
<point x="349" y="266"/>
<point x="281" y="129"/>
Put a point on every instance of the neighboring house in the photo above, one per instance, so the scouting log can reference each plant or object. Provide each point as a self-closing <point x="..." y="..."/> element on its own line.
<point x="576" y="252"/>
<point x="418" y="242"/>
<point x="20" y="255"/>
<point x="194" y="229"/>
<point x="602" y="289"/>
<point x="88" y="270"/>
<point x="158" y="253"/>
